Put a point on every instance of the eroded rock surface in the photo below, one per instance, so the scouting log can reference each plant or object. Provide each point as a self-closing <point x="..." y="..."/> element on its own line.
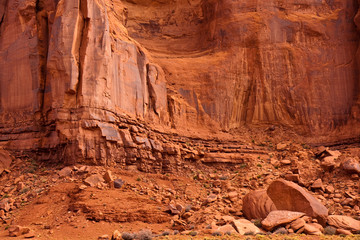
<point x="78" y="77"/>
<point x="284" y="61"/>
<point x="257" y="205"/>
<point x="290" y="196"/>
<point x="344" y="222"/>
<point x="279" y="218"/>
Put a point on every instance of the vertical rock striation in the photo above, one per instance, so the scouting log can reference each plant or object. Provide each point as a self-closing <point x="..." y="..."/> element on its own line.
<point x="256" y="62"/>
<point x="75" y="75"/>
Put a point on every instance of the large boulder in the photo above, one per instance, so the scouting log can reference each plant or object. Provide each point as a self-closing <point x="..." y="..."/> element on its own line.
<point x="257" y="205"/>
<point x="290" y="196"/>
<point x="344" y="222"/>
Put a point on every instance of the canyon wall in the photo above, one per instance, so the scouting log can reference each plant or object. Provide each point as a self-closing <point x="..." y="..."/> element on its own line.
<point x="103" y="82"/>
<point x="253" y="62"/>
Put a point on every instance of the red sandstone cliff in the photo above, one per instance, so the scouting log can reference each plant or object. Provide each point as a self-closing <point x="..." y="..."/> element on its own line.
<point x="75" y="74"/>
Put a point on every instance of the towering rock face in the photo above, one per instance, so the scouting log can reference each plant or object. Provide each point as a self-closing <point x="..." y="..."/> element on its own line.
<point x="289" y="62"/>
<point x="75" y="74"/>
<point x="70" y="68"/>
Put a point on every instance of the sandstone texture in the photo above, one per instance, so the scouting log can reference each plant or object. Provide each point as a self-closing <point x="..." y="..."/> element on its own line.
<point x="290" y="196"/>
<point x="280" y="217"/>
<point x="244" y="226"/>
<point x="257" y="205"/>
<point x="344" y="222"/>
<point x="285" y="61"/>
<point x="113" y="82"/>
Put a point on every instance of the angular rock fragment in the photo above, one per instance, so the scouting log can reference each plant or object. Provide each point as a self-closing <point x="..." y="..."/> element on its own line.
<point x="108" y="177"/>
<point x="226" y="229"/>
<point x="328" y="163"/>
<point x="344" y="222"/>
<point x="313" y="229"/>
<point x="343" y="231"/>
<point x="118" y="183"/>
<point x="211" y="198"/>
<point x="15" y="231"/>
<point x="280" y="217"/>
<point x="65" y="172"/>
<point x="94" y="180"/>
<point x="351" y="166"/>
<point x="244" y="226"/>
<point x="318" y="184"/>
<point x="297" y="224"/>
<point x="5" y="204"/>
<point x="5" y="160"/>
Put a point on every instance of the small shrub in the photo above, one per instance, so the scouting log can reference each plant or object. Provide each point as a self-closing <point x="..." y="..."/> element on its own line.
<point x="243" y="165"/>
<point x="257" y="223"/>
<point x="5" y="196"/>
<point x="329" y="230"/>
<point x="127" y="236"/>
<point x="249" y="233"/>
<point x="144" y="235"/>
<point x="281" y="230"/>
<point x="216" y="234"/>
<point x="193" y="233"/>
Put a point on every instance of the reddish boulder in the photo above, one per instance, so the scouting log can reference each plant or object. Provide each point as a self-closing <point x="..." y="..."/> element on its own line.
<point x="94" y="180"/>
<point x="313" y="229"/>
<point x="278" y="218"/>
<point x="344" y="222"/>
<point x="297" y="224"/>
<point x="244" y="226"/>
<point x="257" y="205"/>
<point x="351" y="166"/>
<point x="290" y="196"/>
<point x="15" y="231"/>
<point x="226" y="229"/>
<point x="328" y="163"/>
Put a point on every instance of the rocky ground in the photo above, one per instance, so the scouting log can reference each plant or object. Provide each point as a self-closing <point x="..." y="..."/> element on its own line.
<point x="279" y="190"/>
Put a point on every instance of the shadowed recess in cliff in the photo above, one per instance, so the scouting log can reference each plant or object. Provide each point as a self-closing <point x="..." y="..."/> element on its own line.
<point x="256" y="62"/>
<point x="3" y="6"/>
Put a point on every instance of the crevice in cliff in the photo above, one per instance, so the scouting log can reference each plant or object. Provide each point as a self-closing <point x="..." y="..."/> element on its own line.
<point x="43" y="47"/>
<point x="2" y="14"/>
<point x="171" y="109"/>
<point x="152" y="93"/>
<point x="1" y="21"/>
<point x="83" y="45"/>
